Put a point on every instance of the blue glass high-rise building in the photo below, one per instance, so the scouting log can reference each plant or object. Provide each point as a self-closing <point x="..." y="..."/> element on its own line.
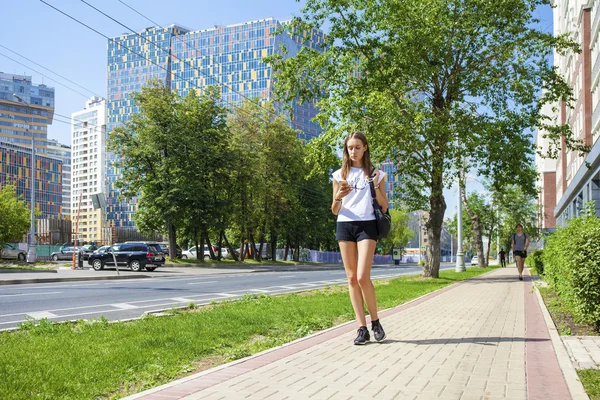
<point x="228" y="56"/>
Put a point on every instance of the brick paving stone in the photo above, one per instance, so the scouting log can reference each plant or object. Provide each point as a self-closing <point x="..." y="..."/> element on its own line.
<point x="465" y="342"/>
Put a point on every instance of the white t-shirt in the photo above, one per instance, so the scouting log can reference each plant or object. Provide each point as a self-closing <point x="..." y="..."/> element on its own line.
<point x="358" y="204"/>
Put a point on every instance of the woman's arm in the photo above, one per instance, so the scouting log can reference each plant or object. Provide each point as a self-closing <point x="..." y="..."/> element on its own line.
<point x="381" y="195"/>
<point x="526" y="243"/>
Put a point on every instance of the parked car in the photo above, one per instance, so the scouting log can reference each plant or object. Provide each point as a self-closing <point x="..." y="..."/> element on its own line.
<point x="474" y="260"/>
<point x="191" y="252"/>
<point x="11" y="252"/>
<point x="88" y="250"/>
<point x="65" y="253"/>
<point x="102" y="249"/>
<point x="135" y="255"/>
<point x="165" y="247"/>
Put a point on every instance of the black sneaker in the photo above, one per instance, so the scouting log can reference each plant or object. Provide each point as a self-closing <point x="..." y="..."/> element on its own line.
<point x="363" y="336"/>
<point x="520" y="278"/>
<point x="378" y="331"/>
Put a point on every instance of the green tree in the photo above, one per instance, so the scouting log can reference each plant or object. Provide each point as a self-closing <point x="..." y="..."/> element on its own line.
<point x="168" y="155"/>
<point x="15" y="216"/>
<point x="204" y="160"/>
<point x="516" y="207"/>
<point x="400" y="234"/>
<point x="420" y="76"/>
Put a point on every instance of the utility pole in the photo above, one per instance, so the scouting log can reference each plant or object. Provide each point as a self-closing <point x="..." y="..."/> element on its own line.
<point x="460" y="257"/>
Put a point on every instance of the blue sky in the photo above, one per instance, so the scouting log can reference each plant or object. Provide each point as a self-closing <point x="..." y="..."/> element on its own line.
<point x="46" y="37"/>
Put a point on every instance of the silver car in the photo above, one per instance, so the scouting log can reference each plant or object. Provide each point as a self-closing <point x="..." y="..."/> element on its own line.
<point x="65" y="253"/>
<point x="9" y="251"/>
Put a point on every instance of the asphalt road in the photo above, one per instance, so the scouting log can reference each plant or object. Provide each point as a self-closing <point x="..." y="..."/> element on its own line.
<point x="132" y="298"/>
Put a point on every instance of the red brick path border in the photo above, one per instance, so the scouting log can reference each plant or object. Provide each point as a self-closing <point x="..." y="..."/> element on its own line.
<point x="545" y="380"/>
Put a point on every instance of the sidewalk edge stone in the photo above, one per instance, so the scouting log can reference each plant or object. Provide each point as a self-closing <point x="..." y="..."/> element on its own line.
<point x="564" y="361"/>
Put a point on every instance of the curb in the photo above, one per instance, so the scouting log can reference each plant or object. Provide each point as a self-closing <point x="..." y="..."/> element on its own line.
<point x="83" y="278"/>
<point x="564" y="361"/>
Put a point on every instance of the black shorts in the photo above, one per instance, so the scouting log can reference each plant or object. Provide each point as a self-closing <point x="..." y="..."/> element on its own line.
<point x="520" y="253"/>
<point x="355" y="231"/>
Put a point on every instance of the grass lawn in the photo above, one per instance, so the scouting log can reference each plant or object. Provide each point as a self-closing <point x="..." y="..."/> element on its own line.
<point x="591" y="382"/>
<point x="562" y="315"/>
<point x="98" y="359"/>
<point x="18" y="265"/>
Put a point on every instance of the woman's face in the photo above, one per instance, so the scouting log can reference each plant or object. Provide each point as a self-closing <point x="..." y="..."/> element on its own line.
<point x="356" y="149"/>
<point x="519" y="229"/>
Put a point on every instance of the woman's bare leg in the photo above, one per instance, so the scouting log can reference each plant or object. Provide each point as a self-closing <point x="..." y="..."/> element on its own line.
<point x="366" y="249"/>
<point x="348" y="250"/>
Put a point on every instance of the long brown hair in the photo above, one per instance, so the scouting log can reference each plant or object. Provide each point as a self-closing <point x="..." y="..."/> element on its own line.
<point x="347" y="163"/>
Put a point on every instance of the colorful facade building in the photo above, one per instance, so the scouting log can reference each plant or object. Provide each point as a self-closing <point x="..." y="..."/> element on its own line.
<point x="22" y="120"/>
<point x="230" y="57"/>
<point x="15" y="168"/>
<point x="63" y="153"/>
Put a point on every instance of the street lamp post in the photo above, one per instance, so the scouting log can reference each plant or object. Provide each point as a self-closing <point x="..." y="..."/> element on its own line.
<point x="31" y="251"/>
<point x="460" y="257"/>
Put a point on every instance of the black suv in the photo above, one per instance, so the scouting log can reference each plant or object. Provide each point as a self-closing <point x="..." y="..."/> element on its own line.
<point x="136" y="256"/>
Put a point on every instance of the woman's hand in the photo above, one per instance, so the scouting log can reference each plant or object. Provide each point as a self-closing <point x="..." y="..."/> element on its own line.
<point x="342" y="192"/>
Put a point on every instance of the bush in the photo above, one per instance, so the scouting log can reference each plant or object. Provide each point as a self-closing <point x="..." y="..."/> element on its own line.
<point x="571" y="262"/>
<point x="535" y="261"/>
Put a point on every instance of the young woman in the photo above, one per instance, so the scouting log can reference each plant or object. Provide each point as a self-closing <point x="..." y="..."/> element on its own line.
<point x="356" y="230"/>
<point x="520" y="244"/>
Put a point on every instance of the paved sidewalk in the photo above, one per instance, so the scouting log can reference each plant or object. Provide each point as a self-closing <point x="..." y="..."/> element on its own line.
<point x="480" y="339"/>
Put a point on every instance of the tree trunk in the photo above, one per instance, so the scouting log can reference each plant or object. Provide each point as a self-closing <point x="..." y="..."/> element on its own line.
<point x="260" y="248"/>
<point x="235" y="257"/>
<point x="487" y="258"/>
<point x="273" y="246"/>
<point x="287" y="250"/>
<point x="219" y="252"/>
<point x="172" y="230"/>
<point x="476" y="225"/>
<point x="297" y="253"/>
<point x="434" y="225"/>
<point x="210" y="249"/>
<point x="252" y="246"/>
<point x="242" y="247"/>
<point x="200" y="249"/>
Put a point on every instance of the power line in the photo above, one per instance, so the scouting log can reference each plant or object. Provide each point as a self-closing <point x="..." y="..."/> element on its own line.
<point x="54" y="80"/>
<point x="139" y="13"/>
<point x="125" y="47"/>
<point x="48" y="69"/>
<point x="168" y="52"/>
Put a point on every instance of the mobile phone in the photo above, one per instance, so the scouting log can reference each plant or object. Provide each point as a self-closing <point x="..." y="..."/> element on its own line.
<point x="343" y="183"/>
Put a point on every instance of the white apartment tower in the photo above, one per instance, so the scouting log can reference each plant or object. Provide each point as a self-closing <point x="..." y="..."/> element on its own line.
<point x="577" y="179"/>
<point x="88" y="145"/>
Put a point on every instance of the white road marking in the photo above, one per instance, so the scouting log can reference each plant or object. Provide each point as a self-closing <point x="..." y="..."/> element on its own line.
<point x="125" y="306"/>
<point x="27" y="294"/>
<point x="259" y="290"/>
<point x="182" y="299"/>
<point x="287" y="276"/>
<point x="201" y="283"/>
<point x="41" y="314"/>
<point x="226" y="295"/>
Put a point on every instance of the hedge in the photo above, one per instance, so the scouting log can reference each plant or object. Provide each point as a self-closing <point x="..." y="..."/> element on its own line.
<point x="571" y="261"/>
<point x="535" y="261"/>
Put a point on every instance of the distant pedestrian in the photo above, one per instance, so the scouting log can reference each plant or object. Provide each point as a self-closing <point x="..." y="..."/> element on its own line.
<point x="502" y="256"/>
<point x="520" y="244"/>
<point x="356" y="229"/>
